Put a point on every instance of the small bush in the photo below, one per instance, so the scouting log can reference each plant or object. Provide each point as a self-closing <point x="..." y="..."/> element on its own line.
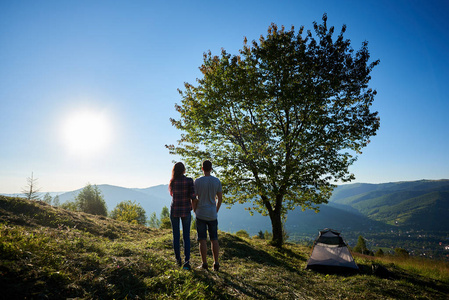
<point x="401" y="253"/>
<point x="242" y="233"/>
<point x="165" y="223"/>
<point x="129" y="211"/>
<point x="379" y="253"/>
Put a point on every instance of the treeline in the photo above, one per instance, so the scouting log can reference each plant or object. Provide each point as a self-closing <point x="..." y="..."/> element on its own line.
<point x="417" y="243"/>
<point x="361" y="247"/>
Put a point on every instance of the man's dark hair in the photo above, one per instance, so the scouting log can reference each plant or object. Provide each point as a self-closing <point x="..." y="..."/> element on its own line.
<point x="207" y="166"/>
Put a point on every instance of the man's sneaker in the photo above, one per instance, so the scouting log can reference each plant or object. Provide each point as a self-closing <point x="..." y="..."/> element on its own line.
<point x="203" y="266"/>
<point x="179" y="262"/>
<point x="216" y="266"/>
<point x="186" y="266"/>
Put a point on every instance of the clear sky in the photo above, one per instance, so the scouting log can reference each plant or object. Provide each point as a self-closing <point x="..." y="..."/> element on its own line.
<point x="115" y="66"/>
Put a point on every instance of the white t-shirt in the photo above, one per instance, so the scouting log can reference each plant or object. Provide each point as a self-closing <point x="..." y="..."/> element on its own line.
<point x="206" y="188"/>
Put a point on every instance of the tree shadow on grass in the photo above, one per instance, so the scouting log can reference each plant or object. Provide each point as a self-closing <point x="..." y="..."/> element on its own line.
<point x="290" y="253"/>
<point x="221" y="282"/>
<point x="233" y="248"/>
<point x="236" y="247"/>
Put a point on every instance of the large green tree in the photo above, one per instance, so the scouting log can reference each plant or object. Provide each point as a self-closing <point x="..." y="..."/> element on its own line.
<point x="90" y="200"/>
<point x="282" y="121"/>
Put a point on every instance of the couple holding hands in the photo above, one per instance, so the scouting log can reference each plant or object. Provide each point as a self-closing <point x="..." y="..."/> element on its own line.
<point x="204" y="196"/>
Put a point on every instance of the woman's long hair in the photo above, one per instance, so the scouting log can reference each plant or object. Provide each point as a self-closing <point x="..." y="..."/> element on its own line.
<point x="177" y="172"/>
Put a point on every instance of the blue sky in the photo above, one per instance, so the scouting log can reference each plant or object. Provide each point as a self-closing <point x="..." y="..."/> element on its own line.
<point x="121" y="63"/>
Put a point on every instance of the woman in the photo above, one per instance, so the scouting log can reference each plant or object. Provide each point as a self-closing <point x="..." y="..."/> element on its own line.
<point x="182" y="191"/>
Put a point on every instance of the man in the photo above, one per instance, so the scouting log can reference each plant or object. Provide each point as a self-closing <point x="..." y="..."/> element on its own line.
<point x="206" y="206"/>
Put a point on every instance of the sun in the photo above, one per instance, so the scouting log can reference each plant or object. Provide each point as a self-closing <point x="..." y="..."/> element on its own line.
<point x="87" y="133"/>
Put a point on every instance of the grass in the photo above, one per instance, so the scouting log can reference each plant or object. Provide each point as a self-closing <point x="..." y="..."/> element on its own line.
<point x="433" y="269"/>
<point x="51" y="253"/>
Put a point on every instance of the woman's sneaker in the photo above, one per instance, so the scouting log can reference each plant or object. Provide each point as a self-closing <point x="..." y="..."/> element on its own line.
<point x="216" y="266"/>
<point x="186" y="266"/>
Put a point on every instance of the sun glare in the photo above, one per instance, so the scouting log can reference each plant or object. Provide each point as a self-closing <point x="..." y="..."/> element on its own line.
<point x="87" y="133"/>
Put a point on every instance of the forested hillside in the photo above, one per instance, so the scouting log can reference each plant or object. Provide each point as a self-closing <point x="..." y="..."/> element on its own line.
<point x="418" y="205"/>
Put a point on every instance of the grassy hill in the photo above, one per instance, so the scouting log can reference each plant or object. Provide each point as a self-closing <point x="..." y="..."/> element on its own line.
<point x="51" y="253"/>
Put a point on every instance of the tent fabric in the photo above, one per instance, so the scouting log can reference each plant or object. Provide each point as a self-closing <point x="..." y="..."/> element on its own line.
<point x="330" y="250"/>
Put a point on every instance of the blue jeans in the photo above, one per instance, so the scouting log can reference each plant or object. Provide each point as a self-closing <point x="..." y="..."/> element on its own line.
<point x="185" y="235"/>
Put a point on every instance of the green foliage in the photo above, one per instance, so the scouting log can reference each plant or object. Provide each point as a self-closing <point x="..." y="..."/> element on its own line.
<point x="285" y="235"/>
<point x="264" y="235"/>
<point x="379" y="253"/>
<point x="154" y="222"/>
<point x="361" y="246"/>
<point x="165" y="223"/>
<point x="165" y="218"/>
<point x="267" y="235"/>
<point x="129" y="211"/>
<point x="193" y="225"/>
<point x="278" y="119"/>
<point x="69" y="205"/>
<point x="165" y="213"/>
<point x="242" y="233"/>
<point x="401" y="252"/>
<point x="56" y="201"/>
<point x="90" y="200"/>
<point x="47" y="198"/>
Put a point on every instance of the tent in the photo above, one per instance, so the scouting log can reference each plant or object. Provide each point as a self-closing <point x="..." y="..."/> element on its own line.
<point x="330" y="253"/>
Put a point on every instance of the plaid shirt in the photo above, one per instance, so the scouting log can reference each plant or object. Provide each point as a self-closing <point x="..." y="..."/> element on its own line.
<point x="182" y="193"/>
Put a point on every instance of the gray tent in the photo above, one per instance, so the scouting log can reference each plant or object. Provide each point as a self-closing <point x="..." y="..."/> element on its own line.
<point x="331" y="253"/>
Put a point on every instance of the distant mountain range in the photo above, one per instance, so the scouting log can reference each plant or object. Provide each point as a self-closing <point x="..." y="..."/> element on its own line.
<point x="421" y="205"/>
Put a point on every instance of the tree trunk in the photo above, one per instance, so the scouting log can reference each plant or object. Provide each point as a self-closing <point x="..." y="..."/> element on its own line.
<point x="276" y="225"/>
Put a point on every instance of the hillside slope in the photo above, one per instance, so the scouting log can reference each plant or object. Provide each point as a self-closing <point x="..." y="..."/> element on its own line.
<point x="51" y="253"/>
<point x="343" y="193"/>
<point x="421" y="205"/>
